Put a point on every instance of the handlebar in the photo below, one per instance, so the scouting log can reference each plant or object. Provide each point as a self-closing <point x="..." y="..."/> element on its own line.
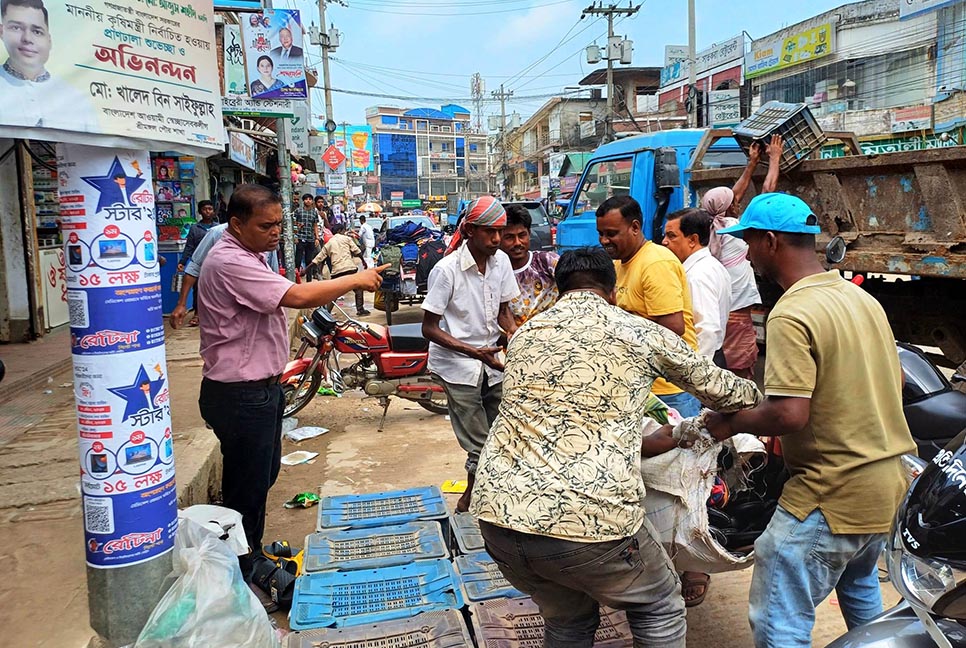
<point x="357" y="324"/>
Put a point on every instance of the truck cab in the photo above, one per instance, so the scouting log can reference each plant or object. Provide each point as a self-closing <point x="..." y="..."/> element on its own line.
<point x="654" y="168"/>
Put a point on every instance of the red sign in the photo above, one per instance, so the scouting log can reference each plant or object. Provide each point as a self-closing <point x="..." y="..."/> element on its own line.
<point x="333" y="157"/>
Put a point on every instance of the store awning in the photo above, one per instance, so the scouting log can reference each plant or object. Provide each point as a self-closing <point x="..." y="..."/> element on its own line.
<point x="574" y="163"/>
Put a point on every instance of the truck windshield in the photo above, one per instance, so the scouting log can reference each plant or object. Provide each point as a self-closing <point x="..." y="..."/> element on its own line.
<point x="721" y="159"/>
<point x="604" y="179"/>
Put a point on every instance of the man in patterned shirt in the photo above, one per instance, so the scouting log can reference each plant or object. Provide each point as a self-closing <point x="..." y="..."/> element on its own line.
<point x="533" y="270"/>
<point x="558" y="488"/>
<point x="306" y="234"/>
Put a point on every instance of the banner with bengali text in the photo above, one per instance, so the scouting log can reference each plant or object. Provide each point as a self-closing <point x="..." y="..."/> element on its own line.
<point x="119" y="73"/>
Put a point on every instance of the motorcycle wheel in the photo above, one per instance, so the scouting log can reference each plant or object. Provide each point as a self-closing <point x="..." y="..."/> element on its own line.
<point x="436" y="403"/>
<point x="295" y="402"/>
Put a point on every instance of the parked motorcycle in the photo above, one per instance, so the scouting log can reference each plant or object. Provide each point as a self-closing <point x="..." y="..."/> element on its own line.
<point x="935" y="411"/>
<point x="392" y="361"/>
<point x="926" y="558"/>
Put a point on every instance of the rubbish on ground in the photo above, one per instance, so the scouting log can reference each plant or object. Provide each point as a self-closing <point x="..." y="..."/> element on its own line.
<point x="298" y="457"/>
<point x="303" y="433"/>
<point x="302" y="500"/>
<point x="289" y="423"/>
<point x="50" y="379"/>
<point x="48" y="391"/>
<point x="454" y="486"/>
<point x="447" y="417"/>
<point x="224" y="522"/>
<point x="328" y="391"/>
<point x="67" y="384"/>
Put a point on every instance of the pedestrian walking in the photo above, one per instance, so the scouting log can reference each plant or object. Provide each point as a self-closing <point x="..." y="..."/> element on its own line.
<point x="650" y="283"/>
<point x="740" y="346"/>
<point x="466" y="312"/>
<point x="198" y="231"/>
<point x="532" y="270"/>
<point x="367" y="238"/>
<point x="306" y="235"/>
<point x="245" y="345"/>
<point x="558" y="488"/>
<point x="341" y="251"/>
<point x="833" y="393"/>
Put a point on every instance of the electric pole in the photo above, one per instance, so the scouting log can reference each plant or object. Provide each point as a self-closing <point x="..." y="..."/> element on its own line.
<point x="285" y="189"/>
<point x="692" y="69"/>
<point x="613" y="46"/>
<point x="327" y="87"/>
<point x="503" y="95"/>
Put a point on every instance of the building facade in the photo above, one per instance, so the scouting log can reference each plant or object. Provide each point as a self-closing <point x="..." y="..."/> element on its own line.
<point x="423" y="152"/>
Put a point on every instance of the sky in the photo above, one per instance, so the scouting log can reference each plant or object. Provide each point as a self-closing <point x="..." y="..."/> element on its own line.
<point x="429" y="49"/>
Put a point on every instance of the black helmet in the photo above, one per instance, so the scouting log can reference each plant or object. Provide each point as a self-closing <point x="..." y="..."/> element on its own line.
<point x="929" y="539"/>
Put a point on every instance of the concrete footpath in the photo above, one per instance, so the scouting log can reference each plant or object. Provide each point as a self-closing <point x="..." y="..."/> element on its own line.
<point x="43" y="591"/>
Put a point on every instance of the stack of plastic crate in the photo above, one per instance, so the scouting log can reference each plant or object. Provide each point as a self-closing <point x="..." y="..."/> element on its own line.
<point x="376" y="558"/>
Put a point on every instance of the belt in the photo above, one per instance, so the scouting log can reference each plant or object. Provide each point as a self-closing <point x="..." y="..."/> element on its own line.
<point x="264" y="382"/>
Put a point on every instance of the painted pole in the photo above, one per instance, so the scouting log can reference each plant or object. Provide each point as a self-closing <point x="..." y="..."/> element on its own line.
<point x="121" y="388"/>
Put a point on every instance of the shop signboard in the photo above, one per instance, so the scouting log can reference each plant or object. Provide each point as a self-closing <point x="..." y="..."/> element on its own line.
<point x="274" y="60"/>
<point x="233" y="59"/>
<point x="355" y="142"/>
<point x="245" y="107"/>
<point x="411" y="204"/>
<point x="112" y="72"/>
<point x="916" y="118"/>
<point x="556" y="163"/>
<point x="568" y="183"/>
<point x="238" y="5"/>
<point x="724" y="107"/>
<point x="241" y="149"/>
<point x="544" y="186"/>
<point x="121" y="385"/>
<point x="299" y="130"/>
<point x="675" y="54"/>
<point x="773" y="54"/>
<point x="335" y="182"/>
<point x="333" y="158"/>
<point x="910" y="8"/>
<point x="718" y="54"/>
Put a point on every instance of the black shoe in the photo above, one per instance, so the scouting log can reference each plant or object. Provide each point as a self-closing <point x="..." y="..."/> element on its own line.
<point x="362" y="312"/>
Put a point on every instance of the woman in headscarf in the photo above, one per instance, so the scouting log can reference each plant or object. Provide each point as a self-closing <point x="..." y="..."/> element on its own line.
<point x="723" y="203"/>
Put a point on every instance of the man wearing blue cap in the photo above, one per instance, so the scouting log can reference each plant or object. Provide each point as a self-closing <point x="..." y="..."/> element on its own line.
<point x="833" y="393"/>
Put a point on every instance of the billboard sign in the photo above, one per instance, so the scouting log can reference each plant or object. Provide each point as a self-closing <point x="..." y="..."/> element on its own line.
<point x="724" y="107"/>
<point x="771" y="55"/>
<point x="274" y="59"/>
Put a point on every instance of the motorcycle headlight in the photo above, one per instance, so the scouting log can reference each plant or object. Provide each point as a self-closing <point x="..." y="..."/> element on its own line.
<point x="310" y="333"/>
<point x="929" y="585"/>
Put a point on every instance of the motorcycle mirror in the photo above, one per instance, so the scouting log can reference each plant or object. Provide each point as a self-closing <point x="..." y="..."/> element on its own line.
<point x="835" y="250"/>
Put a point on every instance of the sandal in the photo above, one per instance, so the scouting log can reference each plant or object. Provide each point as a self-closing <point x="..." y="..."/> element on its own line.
<point x="193" y="321"/>
<point x="694" y="581"/>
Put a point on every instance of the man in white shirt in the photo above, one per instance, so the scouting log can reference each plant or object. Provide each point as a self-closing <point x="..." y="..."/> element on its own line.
<point x="368" y="240"/>
<point x="467" y="311"/>
<point x="687" y="234"/>
<point x="29" y="95"/>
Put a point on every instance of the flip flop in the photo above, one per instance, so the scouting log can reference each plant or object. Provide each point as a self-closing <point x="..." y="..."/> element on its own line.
<point x="193" y="322"/>
<point x="694" y="580"/>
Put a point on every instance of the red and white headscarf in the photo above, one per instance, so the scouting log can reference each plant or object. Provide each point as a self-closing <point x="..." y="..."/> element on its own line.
<point x="717" y="202"/>
<point x="485" y="211"/>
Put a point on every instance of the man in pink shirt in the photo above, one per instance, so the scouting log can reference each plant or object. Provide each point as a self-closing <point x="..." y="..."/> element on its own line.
<point x="244" y="345"/>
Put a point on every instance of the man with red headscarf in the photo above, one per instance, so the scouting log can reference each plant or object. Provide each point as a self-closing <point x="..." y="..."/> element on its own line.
<point x="723" y="203"/>
<point x="467" y="311"/>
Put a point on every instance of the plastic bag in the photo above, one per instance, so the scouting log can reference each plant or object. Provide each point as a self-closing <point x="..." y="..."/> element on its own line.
<point x="209" y="603"/>
<point x="678" y="484"/>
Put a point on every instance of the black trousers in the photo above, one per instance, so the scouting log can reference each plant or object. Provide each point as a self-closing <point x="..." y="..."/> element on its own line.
<point x="360" y="293"/>
<point x="248" y="422"/>
<point x="305" y="251"/>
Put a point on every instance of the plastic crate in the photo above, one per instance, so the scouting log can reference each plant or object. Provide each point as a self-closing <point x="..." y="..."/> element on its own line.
<point x="516" y="623"/>
<point x="481" y="578"/>
<point x="794" y="122"/>
<point x="350" y="598"/>
<point x="383" y="509"/>
<point x="443" y="629"/>
<point x="466" y="533"/>
<point x="372" y="548"/>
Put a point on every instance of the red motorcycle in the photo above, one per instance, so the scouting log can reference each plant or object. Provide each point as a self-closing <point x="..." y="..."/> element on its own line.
<point x="392" y="362"/>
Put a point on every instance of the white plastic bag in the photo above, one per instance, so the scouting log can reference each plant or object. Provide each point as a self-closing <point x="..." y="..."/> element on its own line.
<point x="678" y="484"/>
<point x="209" y="603"/>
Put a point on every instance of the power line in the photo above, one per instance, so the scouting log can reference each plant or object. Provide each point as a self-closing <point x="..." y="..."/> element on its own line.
<point x="459" y="14"/>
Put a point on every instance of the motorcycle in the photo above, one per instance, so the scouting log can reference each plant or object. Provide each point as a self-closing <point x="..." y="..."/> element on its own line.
<point x="392" y="361"/>
<point x="926" y="559"/>
<point x="934" y="409"/>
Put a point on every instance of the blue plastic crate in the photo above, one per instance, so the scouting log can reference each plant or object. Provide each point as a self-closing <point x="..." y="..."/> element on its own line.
<point x="466" y="532"/>
<point x="516" y="623"/>
<point x="351" y="598"/>
<point x="482" y="579"/>
<point x="443" y="629"/>
<point x="382" y="509"/>
<point x="372" y="548"/>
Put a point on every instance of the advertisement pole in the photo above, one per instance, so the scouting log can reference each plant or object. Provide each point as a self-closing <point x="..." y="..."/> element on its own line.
<point x="121" y="389"/>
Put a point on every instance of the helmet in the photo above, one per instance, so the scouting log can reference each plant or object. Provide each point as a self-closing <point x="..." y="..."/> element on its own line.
<point x="928" y="546"/>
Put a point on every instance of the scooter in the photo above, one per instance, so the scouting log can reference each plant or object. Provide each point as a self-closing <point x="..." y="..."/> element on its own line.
<point x="392" y="361"/>
<point x="926" y="558"/>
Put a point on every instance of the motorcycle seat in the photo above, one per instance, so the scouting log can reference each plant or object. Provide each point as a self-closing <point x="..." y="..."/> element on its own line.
<point x="408" y="338"/>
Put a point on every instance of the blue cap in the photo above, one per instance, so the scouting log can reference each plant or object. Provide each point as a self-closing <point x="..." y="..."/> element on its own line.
<point x="776" y="212"/>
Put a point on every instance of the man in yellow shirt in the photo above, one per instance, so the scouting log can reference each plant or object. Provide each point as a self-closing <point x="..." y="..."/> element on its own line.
<point x="833" y="392"/>
<point x="650" y="283"/>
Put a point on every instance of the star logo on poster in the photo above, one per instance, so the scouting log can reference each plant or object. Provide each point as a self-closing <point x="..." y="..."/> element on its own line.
<point x="140" y="394"/>
<point x="116" y="187"/>
<point x="333" y="157"/>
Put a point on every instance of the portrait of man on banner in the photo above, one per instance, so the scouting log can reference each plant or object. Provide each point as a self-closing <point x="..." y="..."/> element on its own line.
<point x="274" y="58"/>
<point x="30" y="95"/>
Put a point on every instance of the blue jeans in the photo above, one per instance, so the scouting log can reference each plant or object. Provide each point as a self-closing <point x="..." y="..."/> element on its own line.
<point x="570" y="580"/>
<point x="686" y="404"/>
<point x="797" y="565"/>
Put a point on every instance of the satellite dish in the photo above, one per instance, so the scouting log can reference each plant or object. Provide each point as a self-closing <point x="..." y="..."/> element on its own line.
<point x="330" y="126"/>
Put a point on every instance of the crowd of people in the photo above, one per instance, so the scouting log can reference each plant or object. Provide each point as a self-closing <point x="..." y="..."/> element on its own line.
<point x="550" y="365"/>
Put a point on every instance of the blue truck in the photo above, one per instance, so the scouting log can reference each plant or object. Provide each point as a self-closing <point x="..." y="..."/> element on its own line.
<point x="901" y="216"/>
